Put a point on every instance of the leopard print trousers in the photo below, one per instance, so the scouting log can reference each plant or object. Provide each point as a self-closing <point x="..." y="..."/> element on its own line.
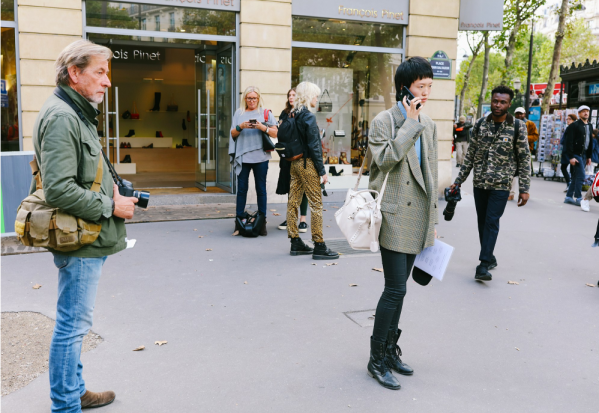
<point x="305" y="180"/>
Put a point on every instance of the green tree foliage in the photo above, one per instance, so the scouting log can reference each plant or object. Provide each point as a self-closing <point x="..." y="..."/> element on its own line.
<point x="579" y="43"/>
<point x="496" y="64"/>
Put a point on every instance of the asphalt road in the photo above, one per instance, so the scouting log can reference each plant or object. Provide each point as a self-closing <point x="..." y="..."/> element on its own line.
<point x="251" y="329"/>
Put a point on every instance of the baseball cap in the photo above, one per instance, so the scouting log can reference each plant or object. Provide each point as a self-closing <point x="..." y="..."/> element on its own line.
<point x="520" y="110"/>
<point x="583" y="107"/>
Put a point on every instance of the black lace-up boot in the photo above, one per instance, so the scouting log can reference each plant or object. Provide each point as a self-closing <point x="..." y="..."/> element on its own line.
<point x="393" y="352"/>
<point x="377" y="368"/>
<point x="298" y="247"/>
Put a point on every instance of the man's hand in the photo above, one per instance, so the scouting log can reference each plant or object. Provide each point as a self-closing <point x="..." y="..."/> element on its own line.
<point x="573" y="161"/>
<point x="522" y="199"/>
<point x="325" y="178"/>
<point x="123" y="205"/>
<point x="411" y="110"/>
<point x="452" y="187"/>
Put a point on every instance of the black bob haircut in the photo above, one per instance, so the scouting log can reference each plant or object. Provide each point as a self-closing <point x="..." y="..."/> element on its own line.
<point x="411" y="70"/>
<point x="504" y="90"/>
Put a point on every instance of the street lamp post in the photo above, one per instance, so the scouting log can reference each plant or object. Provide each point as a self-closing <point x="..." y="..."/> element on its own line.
<point x="532" y="30"/>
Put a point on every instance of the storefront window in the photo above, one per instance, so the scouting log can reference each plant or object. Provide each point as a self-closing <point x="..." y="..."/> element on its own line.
<point x="10" y="107"/>
<point x="7" y="8"/>
<point x="347" y="32"/>
<point x="100" y="13"/>
<point x="356" y="86"/>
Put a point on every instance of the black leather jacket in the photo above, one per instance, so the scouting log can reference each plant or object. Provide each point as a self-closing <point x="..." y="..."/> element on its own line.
<point x="575" y="137"/>
<point x="306" y="122"/>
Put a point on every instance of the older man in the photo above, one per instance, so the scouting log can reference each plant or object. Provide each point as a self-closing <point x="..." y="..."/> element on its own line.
<point x="579" y="151"/>
<point x="68" y="151"/>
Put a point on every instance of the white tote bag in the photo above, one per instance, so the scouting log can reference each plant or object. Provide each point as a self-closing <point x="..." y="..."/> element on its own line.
<point x="360" y="216"/>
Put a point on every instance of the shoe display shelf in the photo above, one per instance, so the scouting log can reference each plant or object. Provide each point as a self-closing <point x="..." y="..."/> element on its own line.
<point x="139" y="142"/>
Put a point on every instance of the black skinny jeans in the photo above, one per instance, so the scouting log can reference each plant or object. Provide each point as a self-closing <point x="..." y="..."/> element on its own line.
<point x="397" y="267"/>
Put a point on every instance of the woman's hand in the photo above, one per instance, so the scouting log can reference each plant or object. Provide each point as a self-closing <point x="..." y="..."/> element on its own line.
<point x="411" y="110"/>
<point x="246" y="125"/>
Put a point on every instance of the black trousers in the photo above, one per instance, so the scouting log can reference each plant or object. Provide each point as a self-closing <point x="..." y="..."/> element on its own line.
<point x="490" y="206"/>
<point x="397" y="267"/>
<point x="597" y="233"/>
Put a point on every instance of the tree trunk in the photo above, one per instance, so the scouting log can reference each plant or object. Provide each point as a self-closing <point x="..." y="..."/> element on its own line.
<point x="465" y="85"/>
<point x="557" y="51"/>
<point x="483" y="87"/>
<point x="509" y="53"/>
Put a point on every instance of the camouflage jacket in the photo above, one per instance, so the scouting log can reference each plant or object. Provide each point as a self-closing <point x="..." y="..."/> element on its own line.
<point x="492" y="155"/>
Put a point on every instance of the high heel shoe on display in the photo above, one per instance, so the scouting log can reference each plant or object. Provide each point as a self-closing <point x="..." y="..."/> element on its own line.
<point x="126" y="159"/>
<point x="156" y="107"/>
<point x="150" y="146"/>
<point x="185" y="144"/>
<point x="159" y="134"/>
<point x="131" y="134"/>
<point x="333" y="171"/>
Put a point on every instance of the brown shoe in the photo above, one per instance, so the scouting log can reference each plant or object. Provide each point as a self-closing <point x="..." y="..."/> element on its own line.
<point x="510" y="198"/>
<point x="90" y="399"/>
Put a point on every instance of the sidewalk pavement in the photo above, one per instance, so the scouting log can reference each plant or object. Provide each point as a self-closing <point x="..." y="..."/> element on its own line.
<point x="251" y="329"/>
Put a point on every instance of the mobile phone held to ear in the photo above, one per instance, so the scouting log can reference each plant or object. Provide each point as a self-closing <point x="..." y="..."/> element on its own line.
<point x="406" y="92"/>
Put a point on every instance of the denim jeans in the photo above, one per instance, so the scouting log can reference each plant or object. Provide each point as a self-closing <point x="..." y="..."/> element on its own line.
<point x="577" y="172"/>
<point x="397" y="267"/>
<point x="260" y="171"/>
<point x="78" y="280"/>
<point x="490" y="206"/>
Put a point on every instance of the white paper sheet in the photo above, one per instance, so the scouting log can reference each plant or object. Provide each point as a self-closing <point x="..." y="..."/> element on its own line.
<point x="130" y="243"/>
<point x="434" y="260"/>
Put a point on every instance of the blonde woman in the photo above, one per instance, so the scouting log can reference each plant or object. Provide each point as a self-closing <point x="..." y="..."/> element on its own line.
<point x="245" y="149"/>
<point x="306" y="173"/>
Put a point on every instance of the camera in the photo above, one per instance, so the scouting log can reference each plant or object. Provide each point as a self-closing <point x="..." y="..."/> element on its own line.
<point x="452" y="196"/>
<point x="126" y="189"/>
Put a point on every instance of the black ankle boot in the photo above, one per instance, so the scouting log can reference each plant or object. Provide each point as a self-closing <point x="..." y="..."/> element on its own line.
<point x="127" y="159"/>
<point x="392" y="353"/>
<point x="185" y="143"/>
<point x="298" y="247"/>
<point x="333" y="171"/>
<point x="321" y="252"/>
<point x="377" y="369"/>
<point x="156" y="107"/>
<point x="130" y="134"/>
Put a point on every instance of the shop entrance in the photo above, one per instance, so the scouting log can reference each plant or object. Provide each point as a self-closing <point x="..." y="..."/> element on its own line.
<point x="165" y="121"/>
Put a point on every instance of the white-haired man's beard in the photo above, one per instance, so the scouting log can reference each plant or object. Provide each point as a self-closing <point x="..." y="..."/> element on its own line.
<point x="94" y="98"/>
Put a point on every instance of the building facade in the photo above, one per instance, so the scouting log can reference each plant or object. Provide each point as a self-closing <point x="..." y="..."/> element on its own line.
<point x="180" y="66"/>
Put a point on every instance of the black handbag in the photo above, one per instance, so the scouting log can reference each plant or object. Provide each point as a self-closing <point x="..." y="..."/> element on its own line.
<point x="252" y="226"/>
<point x="267" y="143"/>
<point x="325" y="106"/>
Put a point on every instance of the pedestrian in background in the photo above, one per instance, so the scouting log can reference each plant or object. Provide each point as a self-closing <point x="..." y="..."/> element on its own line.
<point x="533" y="136"/>
<point x="403" y="142"/>
<point x="306" y="173"/>
<point x="66" y="145"/>
<point x="491" y="154"/>
<point x="461" y="131"/>
<point x="579" y="152"/>
<point x="585" y="204"/>
<point x="246" y="151"/>
<point x="565" y="162"/>
<point x="285" y="171"/>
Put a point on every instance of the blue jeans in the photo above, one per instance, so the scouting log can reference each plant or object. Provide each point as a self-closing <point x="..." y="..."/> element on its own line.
<point x="490" y="206"/>
<point x="260" y="171"/>
<point x="577" y="172"/>
<point x="78" y="280"/>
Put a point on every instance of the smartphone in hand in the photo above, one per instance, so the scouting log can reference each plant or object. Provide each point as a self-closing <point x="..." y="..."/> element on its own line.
<point x="253" y="121"/>
<point x="406" y="92"/>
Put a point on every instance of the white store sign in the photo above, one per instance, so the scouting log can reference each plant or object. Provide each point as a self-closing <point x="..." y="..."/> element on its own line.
<point x="227" y="5"/>
<point x="481" y="15"/>
<point x="380" y="11"/>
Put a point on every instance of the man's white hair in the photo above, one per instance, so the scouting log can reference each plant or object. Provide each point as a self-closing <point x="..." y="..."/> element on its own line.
<point x="78" y="54"/>
<point x="304" y="93"/>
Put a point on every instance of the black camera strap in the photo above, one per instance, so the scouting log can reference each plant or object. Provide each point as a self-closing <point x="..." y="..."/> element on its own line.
<point x="62" y="95"/>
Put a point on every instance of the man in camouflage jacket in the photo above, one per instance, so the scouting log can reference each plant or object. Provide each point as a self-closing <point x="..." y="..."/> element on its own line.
<point x="496" y="159"/>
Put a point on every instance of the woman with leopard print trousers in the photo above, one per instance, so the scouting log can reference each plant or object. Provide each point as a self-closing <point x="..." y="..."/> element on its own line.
<point x="305" y="176"/>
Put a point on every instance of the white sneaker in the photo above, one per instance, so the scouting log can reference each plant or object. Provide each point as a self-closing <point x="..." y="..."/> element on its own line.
<point x="585" y="205"/>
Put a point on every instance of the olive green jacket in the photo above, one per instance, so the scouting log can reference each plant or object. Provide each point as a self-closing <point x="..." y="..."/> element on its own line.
<point x="68" y="151"/>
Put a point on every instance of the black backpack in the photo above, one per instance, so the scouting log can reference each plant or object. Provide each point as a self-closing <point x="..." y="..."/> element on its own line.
<point x="290" y="146"/>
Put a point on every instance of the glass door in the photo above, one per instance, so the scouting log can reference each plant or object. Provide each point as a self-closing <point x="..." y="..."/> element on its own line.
<point x="206" y="119"/>
<point x="225" y="108"/>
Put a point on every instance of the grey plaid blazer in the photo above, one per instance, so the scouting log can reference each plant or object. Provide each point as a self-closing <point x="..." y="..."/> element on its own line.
<point x="409" y="204"/>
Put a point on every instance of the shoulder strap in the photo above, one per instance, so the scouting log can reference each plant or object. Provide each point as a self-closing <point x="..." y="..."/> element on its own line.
<point x="266" y="114"/>
<point x="61" y="94"/>
<point x="478" y="123"/>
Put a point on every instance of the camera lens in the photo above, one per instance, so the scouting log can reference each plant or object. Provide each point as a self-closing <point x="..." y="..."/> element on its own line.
<point x="143" y="198"/>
